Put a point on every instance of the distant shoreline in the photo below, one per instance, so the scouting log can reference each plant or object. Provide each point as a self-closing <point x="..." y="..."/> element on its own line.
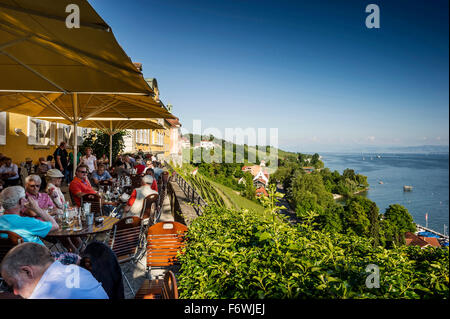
<point x="338" y="196"/>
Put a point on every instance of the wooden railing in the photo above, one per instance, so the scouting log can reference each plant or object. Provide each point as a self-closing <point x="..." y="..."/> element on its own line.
<point x="189" y="191"/>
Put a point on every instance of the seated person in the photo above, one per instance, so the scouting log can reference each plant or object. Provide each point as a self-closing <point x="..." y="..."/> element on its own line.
<point x="14" y="202"/>
<point x="157" y="170"/>
<point x="140" y="167"/>
<point x="101" y="174"/>
<point x="149" y="165"/>
<point x="50" y="161"/>
<point x="80" y="185"/>
<point x="136" y="201"/>
<point x="55" y="178"/>
<point x="9" y="172"/>
<point x="43" y="166"/>
<point x="32" y="186"/>
<point x="53" y="190"/>
<point x="149" y="171"/>
<point x="28" y="165"/>
<point x="32" y="272"/>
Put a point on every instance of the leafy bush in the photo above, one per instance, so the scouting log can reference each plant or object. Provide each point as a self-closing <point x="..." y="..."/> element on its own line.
<point x="238" y="254"/>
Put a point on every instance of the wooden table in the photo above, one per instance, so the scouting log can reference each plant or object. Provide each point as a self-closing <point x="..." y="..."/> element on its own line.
<point x="108" y="224"/>
<point x="86" y="232"/>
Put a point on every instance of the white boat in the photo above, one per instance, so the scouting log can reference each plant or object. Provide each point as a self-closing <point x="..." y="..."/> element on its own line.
<point x="407" y="188"/>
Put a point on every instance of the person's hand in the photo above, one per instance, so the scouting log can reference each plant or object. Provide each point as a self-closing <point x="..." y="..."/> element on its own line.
<point x="32" y="205"/>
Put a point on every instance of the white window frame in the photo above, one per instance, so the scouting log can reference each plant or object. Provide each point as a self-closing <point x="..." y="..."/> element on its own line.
<point x="41" y="133"/>
<point x="3" y="128"/>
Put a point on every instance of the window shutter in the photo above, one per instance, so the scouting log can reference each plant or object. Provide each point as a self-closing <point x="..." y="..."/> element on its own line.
<point x="32" y="127"/>
<point x="52" y="133"/>
<point x="60" y="135"/>
<point x="2" y="128"/>
<point x="70" y="135"/>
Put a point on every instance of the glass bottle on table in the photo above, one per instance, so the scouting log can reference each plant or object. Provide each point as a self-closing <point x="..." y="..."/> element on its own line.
<point x="65" y="217"/>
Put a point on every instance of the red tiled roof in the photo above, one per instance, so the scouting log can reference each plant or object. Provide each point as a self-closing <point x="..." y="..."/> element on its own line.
<point x="431" y="240"/>
<point x="174" y="122"/>
<point x="261" y="190"/>
<point x="414" y="240"/>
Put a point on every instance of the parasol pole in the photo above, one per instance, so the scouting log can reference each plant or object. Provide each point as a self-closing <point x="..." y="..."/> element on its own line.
<point x="110" y="142"/>
<point x="75" y="128"/>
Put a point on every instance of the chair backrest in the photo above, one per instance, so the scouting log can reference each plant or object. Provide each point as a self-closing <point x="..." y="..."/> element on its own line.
<point x="96" y="204"/>
<point x="164" y="240"/>
<point x="170" y="288"/>
<point x="150" y="206"/>
<point x="124" y="239"/>
<point x="101" y="261"/>
<point x="165" y="177"/>
<point x="8" y="240"/>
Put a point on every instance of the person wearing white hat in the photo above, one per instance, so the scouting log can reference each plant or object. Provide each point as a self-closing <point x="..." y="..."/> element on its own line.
<point x="55" y="177"/>
<point x="136" y="201"/>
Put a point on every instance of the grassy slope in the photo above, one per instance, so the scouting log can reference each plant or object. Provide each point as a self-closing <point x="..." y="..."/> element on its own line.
<point x="237" y="200"/>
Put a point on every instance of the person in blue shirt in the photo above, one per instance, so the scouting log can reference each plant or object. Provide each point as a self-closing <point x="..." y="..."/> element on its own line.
<point x="30" y="229"/>
<point x="101" y="174"/>
<point x="31" y="272"/>
<point x="157" y="170"/>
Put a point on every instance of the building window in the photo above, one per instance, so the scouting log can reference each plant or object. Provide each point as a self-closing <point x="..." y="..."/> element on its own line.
<point x="65" y="134"/>
<point x="2" y="128"/>
<point x="41" y="133"/>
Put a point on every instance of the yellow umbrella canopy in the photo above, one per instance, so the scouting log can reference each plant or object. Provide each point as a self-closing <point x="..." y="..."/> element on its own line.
<point x="79" y="107"/>
<point x="50" y="70"/>
<point x="38" y="52"/>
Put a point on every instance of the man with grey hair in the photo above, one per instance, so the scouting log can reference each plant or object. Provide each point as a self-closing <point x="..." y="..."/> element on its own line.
<point x="14" y="202"/>
<point x="136" y="201"/>
<point x="32" y="186"/>
<point x="31" y="271"/>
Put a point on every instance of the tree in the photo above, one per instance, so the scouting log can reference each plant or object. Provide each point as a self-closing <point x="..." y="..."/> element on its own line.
<point x="250" y="190"/>
<point x="99" y="142"/>
<point x="361" y="217"/>
<point x="397" y="221"/>
<point x="309" y="193"/>
<point x="374" y="218"/>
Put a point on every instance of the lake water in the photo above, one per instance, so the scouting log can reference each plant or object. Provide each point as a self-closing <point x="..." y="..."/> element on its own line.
<point x="427" y="173"/>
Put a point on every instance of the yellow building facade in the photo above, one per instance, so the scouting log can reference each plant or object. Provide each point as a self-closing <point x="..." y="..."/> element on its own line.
<point x="22" y="136"/>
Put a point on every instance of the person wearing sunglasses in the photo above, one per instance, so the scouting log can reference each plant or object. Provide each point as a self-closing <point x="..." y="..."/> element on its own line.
<point x="32" y="186"/>
<point x="80" y="185"/>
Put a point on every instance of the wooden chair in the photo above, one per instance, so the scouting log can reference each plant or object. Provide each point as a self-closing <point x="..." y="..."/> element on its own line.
<point x="96" y="204"/>
<point x="150" y="215"/>
<point x="164" y="180"/>
<point x="164" y="241"/>
<point x="150" y="209"/>
<point x="124" y="241"/>
<point x="8" y="240"/>
<point x="159" y="289"/>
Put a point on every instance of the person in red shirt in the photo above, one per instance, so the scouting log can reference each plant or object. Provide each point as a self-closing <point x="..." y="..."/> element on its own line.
<point x="140" y="167"/>
<point x="149" y="171"/>
<point x="80" y="185"/>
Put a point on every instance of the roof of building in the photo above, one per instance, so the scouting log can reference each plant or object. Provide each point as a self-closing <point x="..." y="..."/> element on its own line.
<point x="174" y="122"/>
<point x="431" y="241"/>
<point x="414" y="240"/>
<point x="261" y="190"/>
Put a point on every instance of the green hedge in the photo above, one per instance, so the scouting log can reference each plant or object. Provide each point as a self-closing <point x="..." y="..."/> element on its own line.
<point x="238" y="254"/>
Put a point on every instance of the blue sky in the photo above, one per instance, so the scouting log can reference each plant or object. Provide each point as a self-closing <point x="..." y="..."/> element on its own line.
<point x="309" y="68"/>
